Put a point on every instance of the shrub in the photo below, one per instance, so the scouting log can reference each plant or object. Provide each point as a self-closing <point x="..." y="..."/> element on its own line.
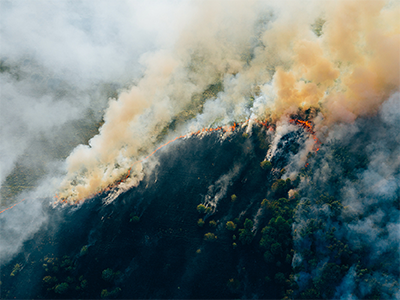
<point x="61" y="288"/>
<point x="49" y="279"/>
<point x="17" y="268"/>
<point x="84" y="284"/>
<point x="84" y="250"/>
<point x="230" y="225"/>
<point x="108" y="274"/>
<point x="104" y="294"/>
<point x="233" y="284"/>
<point x="210" y="236"/>
<point x="69" y="279"/>
<point x="212" y="223"/>
<point x="246" y="235"/>
<point x="268" y="257"/>
<point x="266" y="165"/>
<point x="200" y="222"/>
<point x="134" y="219"/>
<point x="201" y="208"/>
<point x="280" y="278"/>
<point x="233" y="198"/>
<point x="264" y="202"/>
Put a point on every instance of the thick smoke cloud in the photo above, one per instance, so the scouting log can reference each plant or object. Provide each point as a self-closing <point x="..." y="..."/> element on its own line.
<point x="63" y="60"/>
<point x="249" y="48"/>
<point x="60" y="61"/>
<point x="369" y="219"/>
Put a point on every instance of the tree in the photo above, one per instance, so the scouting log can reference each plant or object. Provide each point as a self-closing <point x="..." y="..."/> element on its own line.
<point x="49" y="279"/>
<point x="246" y="235"/>
<point x="17" y="268"/>
<point x="108" y="274"/>
<point x="212" y="223"/>
<point x="280" y="278"/>
<point x="233" y="198"/>
<point x="201" y="208"/>
<point x="61" y="288"/>
<point x="135" y="219"/>
<point x="104" y="294"/>
<point x="266" y="165"/>
<point x="281" y="187"/>
<point x="230" y="225"/>
<point x="200" y="223"/>
<point x="84" y="250"/>
<point x="210" y="236"/>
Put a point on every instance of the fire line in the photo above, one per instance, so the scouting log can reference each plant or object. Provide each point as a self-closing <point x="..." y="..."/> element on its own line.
<point x="307" y="125"/>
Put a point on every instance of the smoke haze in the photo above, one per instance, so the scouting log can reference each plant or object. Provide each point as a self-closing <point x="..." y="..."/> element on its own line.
<point x="347" y="71"/>
<point x="130" y="76"/>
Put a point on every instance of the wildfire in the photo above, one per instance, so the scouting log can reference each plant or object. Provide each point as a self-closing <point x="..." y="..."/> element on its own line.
<point x="12" y="206"/>
<point x="309" y="127"/>
<point x="125" y="177"/>
<point x="201" y="131"/>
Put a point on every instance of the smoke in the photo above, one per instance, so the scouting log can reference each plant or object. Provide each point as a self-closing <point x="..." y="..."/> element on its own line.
<point x="59" y="64"/>
<point x="218" y="190"/>
<point x="348" y="71"/>
<point x="144" y="69"/>
<point x="363" y="213"/>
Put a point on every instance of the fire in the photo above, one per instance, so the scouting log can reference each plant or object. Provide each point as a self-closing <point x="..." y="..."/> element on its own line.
<point x="226" y="128"/>
<point x="309" y="127"/>
<point x="12" y="206"/>
<point x="125" y="177"/>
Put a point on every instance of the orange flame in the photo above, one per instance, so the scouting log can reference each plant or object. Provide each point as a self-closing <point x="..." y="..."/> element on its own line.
<point x="220" y="128"/>
<point x="309" y="127"/>
<point x="12" y="206"/>
<point x="110" y="187"/>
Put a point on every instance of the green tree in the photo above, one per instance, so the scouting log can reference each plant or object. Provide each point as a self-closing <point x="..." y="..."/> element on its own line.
<point x="84" y="250"/>
<point x="212" y="223"/>
<point x="49" y="279"/>
<point x="246" y="235"/>
<point x="233" y="198"/>
<point x="200" y="223"/>
<point x="264" y="203"/>
<point x="104" y="293"/>
<point x="61" y="288"/>
<point x="210" y="236"/>
<point x="266" y="165"/>
<point x="17" y="268"/>
<point x="201" y="208"/>
<point x="135" y="219"/>
<point x="84" y="284"/>
<point x="230" y="225"/>
<point x="108" y="275"/>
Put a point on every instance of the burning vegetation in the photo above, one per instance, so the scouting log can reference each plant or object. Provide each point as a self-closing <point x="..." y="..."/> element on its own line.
<point x="256" y="156"/>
